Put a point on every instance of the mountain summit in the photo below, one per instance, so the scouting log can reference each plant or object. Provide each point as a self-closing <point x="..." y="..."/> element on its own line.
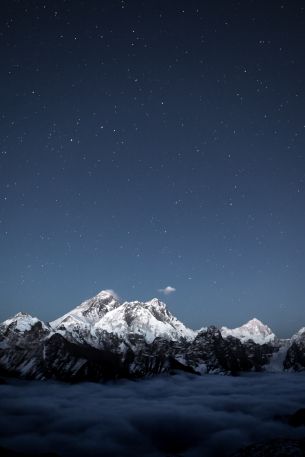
<point x="89" y="311"/>
<point x="104" y="313"/>
<point x="20" y="323"/>
<point x="253" y="330"/>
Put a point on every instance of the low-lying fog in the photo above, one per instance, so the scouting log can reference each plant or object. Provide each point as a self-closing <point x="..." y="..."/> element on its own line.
<point x="178" y="415"/>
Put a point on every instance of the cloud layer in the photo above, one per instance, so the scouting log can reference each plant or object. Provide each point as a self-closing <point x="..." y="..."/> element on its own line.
<point x="181" y="415"/>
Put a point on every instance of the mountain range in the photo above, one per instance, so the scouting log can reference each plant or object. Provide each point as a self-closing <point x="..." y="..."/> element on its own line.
<point x="105" y="339"/>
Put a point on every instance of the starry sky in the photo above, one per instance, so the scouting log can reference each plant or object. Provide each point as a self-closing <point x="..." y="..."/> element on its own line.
<point x="148" y="145"/>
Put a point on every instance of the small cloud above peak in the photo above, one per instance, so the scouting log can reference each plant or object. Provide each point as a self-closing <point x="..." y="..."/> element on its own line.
<point x="167" y="290"/>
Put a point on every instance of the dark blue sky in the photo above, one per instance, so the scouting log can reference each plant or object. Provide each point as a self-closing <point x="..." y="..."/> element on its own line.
<point x="154" y="144"/>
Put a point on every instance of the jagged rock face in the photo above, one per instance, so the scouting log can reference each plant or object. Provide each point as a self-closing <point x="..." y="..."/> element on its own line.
<point x="95" y="308"/>
<point x="71" y="362"/>
<point x="260" y="354"/>
<point x="102" y="339"/>
<point x="20" y="345"/>
<point x="53" y="356"/>
<point x="23" y="324"/>
<point x="217" y="354"/>
<point x="295" y="357"/>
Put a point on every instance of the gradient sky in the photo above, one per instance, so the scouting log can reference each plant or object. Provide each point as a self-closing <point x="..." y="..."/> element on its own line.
<point x="147" y="144"/>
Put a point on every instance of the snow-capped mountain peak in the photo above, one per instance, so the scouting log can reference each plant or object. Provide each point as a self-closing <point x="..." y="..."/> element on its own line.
<point x="253" y="330"/>
<point x="157" y="308"/>
<point x="106" y="294"/>
<point x="88" y="312"/>
<point x="149" y="319"/>
<point x="156" y="302"/>
<point x="21" y="322"/>
<point x="104" y="313"/>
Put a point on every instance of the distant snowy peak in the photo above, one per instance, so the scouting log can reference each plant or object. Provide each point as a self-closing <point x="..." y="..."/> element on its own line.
<point x="104" y="312"/>
<point x="88" y="312"/>
<point x="21" y="322"/>
<point x="253" y="330"/>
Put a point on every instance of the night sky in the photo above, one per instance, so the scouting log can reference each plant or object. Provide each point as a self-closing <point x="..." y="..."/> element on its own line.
<point x="147" y="144"/>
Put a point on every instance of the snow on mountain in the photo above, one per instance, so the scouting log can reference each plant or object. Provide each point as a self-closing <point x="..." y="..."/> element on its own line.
<point x="150" y="319"/>
<point x="104" y="313"/>
<point x="253" y="330"/>
<point x="105" y="339"/>
<point x="299" y="335"/>
<point x="88" y="312"/>
<point x="21" y="322"/>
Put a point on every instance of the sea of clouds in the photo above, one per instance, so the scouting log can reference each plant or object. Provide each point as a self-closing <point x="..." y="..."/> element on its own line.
<point x="165" y="416"/>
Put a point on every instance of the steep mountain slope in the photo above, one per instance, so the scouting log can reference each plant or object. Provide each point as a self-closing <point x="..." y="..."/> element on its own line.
<point x="295" y="357"/>
<point x="88" y="312"/>
<point x="20" y="345"/>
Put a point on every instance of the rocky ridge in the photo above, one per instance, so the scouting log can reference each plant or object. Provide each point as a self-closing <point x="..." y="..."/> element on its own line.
<point x="105" y="339"/>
